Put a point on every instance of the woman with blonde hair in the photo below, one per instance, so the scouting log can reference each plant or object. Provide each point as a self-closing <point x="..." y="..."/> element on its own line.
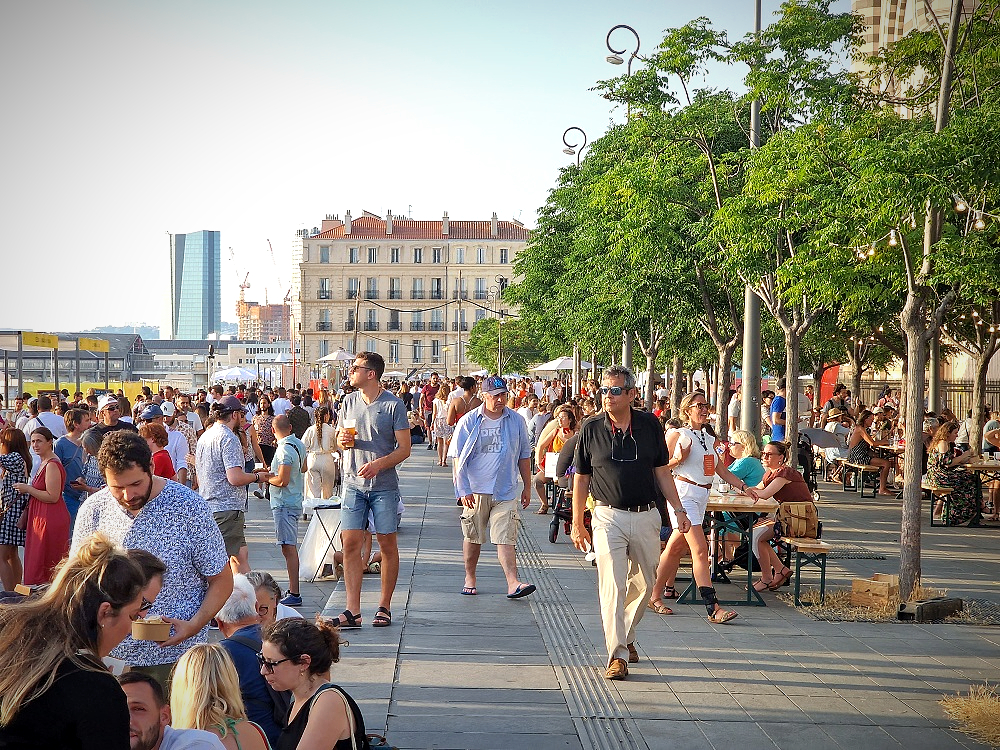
<point x="54" y="689"/>
<point x="321" y="461"/>
<point x="555" y="435"/>
<point x="205" y="694"/>
<point x="442" y="431"/>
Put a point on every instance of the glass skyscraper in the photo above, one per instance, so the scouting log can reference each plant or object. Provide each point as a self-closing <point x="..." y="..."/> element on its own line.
<point x="195" y="287"/>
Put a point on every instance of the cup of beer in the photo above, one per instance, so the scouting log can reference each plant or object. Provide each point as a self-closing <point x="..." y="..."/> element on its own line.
<point x="350" y="430"/>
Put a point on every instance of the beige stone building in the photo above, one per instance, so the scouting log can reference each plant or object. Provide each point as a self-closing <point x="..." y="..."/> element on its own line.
<point x="409" y="289"/>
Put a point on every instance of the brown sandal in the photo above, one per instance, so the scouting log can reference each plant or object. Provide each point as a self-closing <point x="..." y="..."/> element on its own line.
<point x="781" y="579"/>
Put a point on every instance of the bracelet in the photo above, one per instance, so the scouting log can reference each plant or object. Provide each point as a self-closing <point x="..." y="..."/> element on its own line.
<point x="680" y="510"/>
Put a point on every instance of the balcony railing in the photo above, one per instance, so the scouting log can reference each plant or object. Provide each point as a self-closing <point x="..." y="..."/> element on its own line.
<point x="437" y="294"/>
<point x="418" y="326"/>
<point x="324" y="325"/>
<point x="464" y="326"/>
<point x="324" y="294"/>
<point x="460" y="295"/>
<point x="480" y="294"/>
<point x="394" y="325"/>
<point x="352" y="294"/>
<point x="371" y="325"/>
<point x="349" y="325"/>
<point x="435" y="359"/>
<point x="437" y="326"/>
<point x="371" y="294"/>
<point x="417" y="294"/>
<point x="395" y="294"/>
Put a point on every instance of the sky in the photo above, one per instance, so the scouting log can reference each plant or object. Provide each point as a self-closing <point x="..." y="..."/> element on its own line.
<point x="128" y="120"/>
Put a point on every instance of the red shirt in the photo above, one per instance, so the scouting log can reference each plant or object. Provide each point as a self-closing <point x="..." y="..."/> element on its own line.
<point x="162" y="465"/>
<point x="796" y="491"/>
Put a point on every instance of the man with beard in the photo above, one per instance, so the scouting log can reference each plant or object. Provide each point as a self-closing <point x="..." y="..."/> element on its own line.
<point x="149" y="719"/>
<point x="140" y="511"/>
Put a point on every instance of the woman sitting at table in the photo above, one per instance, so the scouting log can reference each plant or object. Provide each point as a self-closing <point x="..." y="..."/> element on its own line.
<point x="785" y="485"/>
<point x="861" y="450"/>
<point x="993" y="439"/>
<point x="944" y="463"/>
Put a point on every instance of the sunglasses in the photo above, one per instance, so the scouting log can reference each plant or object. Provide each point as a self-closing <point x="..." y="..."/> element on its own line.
<point x="613" y="390"/>
<point x="143" y="609"/>
<point x="267" y="665"/>
<point x="770" y="453"/>
<point x="699" y="405"/>
<point x="355" y="368"/>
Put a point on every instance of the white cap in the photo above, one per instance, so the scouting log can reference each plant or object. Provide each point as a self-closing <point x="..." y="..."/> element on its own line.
<point x="104" y="401"/>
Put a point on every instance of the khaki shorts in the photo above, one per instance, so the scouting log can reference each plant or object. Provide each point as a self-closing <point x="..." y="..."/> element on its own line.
<point x="501" y="517"/>
<point x="232" y="524"/>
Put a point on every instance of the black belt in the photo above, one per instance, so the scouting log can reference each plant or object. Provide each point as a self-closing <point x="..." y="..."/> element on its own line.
<point x="636" y="509"/>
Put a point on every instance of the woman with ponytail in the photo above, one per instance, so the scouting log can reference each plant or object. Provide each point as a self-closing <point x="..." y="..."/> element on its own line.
<point x="297" y="655"/>
<point x="51" y="649"/>
<point x="321" y="463"/>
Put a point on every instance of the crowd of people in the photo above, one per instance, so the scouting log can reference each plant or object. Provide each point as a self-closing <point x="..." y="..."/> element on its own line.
<point x="137" y="512"/>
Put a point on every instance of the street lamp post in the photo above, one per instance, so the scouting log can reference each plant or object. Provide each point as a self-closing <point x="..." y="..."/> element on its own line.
<point x="572" y="148"/>
<point x="494" y="295"/>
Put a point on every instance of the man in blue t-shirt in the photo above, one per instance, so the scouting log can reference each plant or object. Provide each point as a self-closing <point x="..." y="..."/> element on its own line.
<point x="778" y="412"/>
<point x="287" y="490"/>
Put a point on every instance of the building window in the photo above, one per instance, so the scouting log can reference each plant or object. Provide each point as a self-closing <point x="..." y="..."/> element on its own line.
<point x="353" y="284"/>
<point x="373" y="255"/>
<point x="437" y="320"/>
<point x="371" y="345"/>
<point x="437" y="288"/>
<point x="417" y="351"/>
<point x="418" y="289"/>
<point x="394" y="255"/>
<point x="417" y="322"/>
<point x="324" y="347"/>
<point x="352" y="255"/>
<point x="481" y="255"/>
<point x="480" y="314"/>
<point x="503" y="255"/>
<point x="436" y="255"/>
<point x="418" y="255"/>
<point x="435" y="352"/>
<point x="324" y="289"/>
<point x="371" y="292"/>
<point x="395" y="288"/>
<point x="324" y="253"/>
<point x="460" y="255"/>
<point x="394" y="351"/>
<point x="372" y="323"/>
<point x="481" y="288"/>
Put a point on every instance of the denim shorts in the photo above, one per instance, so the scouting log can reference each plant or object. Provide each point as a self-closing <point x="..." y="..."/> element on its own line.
<point x="286" y="524"/>
<point x="383" y="504"/>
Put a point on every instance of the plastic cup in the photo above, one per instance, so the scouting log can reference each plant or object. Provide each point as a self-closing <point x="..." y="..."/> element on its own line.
<point x="350" y="430"/>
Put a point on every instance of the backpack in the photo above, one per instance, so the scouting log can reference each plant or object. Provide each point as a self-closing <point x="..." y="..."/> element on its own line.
<point x="798" y="520"/>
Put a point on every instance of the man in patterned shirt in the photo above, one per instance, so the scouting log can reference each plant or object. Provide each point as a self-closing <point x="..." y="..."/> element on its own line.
<point x="140" y="511"/>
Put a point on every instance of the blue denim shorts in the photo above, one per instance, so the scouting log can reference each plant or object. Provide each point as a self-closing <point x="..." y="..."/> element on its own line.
<point x="383" y="504"/>
<point x="286" y="525"/>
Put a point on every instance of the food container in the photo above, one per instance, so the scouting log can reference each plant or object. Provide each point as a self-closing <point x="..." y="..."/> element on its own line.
<point x="153" y="629"/>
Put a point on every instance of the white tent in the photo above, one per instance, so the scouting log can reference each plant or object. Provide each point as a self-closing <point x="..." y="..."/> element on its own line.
<point x="560" y="363"/>
<point x="234" y="375"/>
<point x="480" y="373"/>
<point x="394" y="374"/>
<point x="338" y="356"/>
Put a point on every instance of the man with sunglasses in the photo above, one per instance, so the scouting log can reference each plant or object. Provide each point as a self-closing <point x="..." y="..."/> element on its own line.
<point x="379" y="441"/>
<point x="109" y="414"/>
<point x="140" y="511"/>
<point x="620" y="459"/>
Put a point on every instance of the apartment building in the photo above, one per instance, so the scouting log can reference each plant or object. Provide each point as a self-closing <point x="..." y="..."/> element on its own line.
<point x="408" y="289"/>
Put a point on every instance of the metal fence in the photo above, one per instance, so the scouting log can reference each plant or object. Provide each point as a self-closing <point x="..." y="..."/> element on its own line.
<point x="957" y="394"/>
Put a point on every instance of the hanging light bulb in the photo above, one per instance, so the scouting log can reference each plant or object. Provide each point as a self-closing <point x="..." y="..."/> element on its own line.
<point x="913" y="221"/>
<point x="880" y="328"/>
<point x="960" y="205"/>
<point x="871" y="250"/>
<point x="979" y="223"/>
<point x="893" y="239"/>
<point x="975" y="313"/>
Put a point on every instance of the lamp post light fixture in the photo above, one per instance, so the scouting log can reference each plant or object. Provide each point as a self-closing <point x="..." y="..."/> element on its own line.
<point x="573" y="148"/>
<point x="494" y="295"/>
<point x="615" y="58"/>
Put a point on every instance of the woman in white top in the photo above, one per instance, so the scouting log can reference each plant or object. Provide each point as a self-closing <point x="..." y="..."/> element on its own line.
<point x="442" y="431"/>
<point x="322" y="458"/>
<point x="694" y="461"/>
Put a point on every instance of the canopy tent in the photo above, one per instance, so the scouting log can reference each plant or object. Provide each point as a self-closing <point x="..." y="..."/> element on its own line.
<point x="560" y="363"/>
<point x="234" y="375"/>
<point x="338" y="356"/>
<point x="394" y="374"/>
<point x="480" y="373"/>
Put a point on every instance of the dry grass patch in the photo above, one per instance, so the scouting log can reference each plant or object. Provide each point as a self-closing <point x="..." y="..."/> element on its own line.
<point x="838" y="605"/>
<point x="977" y="714"/>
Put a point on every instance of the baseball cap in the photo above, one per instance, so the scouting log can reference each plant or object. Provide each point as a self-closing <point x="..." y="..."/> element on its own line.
<point x="150" y="412"/>
<point x="230" y="403"/>
<point x="168" y="408"/>
<point x="878" y="410"/>
<point x="494" y="385"/>
<point x="105" y="401"/>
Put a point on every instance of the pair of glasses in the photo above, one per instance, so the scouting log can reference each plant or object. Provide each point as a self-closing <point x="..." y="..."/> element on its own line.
<point x="355" y="368"/>
<point x="614" y="390"/>
<point x="143" y="609"/>
<point x="770" y="453"/>
<point x="625" y="448"/>
<point x="111" y="408"/>
<point x="699" y="405"/>
<point x="267" y="665"/>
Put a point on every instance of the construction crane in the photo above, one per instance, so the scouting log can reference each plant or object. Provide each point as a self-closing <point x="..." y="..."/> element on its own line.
<point x="244" y="286"/>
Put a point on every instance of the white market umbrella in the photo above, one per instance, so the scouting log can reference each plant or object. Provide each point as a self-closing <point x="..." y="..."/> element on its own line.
<point x="394" y="374"/>
<point x="233" y="374"/>
<point x="560" y="363"/>
<point x="338" y="356"/>
<point x="282" y="358"/>
<point x="480" y="373"/>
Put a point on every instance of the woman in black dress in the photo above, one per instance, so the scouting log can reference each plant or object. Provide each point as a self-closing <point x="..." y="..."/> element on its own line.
<point x="861" y="450"/>
<point x="297" y="655"/>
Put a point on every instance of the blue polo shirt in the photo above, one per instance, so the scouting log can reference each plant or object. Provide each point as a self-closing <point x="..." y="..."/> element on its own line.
<point x="290" y="452"/>
<point x="253" y="688"/>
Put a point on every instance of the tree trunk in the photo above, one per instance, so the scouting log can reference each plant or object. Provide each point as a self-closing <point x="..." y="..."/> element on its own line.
<point x="677" y="375"/>
<point x="725" y="378"/>
<point x="856" y="380"/>
<point x="793" y="344"/>
<point x="978" y="403"/>
<point x="913" y="325"/>
<point x="650" y="379"/>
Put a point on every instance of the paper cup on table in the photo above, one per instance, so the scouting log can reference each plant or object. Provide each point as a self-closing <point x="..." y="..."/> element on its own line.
<point x="153" y="629"/>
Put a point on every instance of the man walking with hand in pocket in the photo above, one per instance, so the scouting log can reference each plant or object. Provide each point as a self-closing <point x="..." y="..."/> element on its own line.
<point x="287" y="490"/>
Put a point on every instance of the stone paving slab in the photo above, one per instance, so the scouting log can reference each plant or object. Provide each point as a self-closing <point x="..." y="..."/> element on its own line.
<point x="484" y="672"/>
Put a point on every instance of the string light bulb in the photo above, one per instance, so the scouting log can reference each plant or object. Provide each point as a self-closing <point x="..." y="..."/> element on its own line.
<point x="979" y="224"/>
<point x="893" y="239"/>
<point x="871" y="250"/>
<point x="960" y="205"/>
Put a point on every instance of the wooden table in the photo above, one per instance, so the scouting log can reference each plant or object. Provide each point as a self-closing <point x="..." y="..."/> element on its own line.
<point x="729" y="503"/>
<point x="988" y="471"/>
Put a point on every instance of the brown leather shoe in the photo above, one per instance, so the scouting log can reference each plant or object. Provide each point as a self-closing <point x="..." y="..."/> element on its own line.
<point x="618" y="670"/>
<point x="633" y="655"/>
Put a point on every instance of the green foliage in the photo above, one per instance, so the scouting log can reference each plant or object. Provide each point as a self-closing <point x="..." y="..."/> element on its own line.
<point x="521" y="349"/>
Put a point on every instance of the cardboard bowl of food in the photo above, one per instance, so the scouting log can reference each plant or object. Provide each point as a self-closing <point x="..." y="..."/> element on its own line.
<point x="152" y="629"/>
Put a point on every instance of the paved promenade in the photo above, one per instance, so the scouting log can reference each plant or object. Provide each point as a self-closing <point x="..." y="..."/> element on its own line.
<point x="484" y="672"/>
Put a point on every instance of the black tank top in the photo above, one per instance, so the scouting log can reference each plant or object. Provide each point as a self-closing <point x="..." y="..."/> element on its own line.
<point x="292" y="734"/>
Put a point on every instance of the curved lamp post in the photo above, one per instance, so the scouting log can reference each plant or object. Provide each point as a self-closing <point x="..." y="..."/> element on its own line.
<point x="494" y="296"/>
<point x="615" y="58"/>
<point x="573" y="148"/>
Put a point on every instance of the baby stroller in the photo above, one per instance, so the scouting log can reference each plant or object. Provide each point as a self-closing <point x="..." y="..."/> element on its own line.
<point x="562" y="513"/>
<point x="807" y="464"/>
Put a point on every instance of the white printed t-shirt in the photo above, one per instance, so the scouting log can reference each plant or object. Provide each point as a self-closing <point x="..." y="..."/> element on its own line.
<point x="484" y="464"/>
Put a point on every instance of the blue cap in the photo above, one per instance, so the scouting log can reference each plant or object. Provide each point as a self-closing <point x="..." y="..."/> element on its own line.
<point x="151" y="412"/>
<point x="494" y="385"/>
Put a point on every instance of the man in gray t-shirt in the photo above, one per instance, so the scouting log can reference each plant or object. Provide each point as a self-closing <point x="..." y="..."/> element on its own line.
<point x="374" y="435"/>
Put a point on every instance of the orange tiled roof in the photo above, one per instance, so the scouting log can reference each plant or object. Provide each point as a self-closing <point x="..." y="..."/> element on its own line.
<point x="373" y="228"/>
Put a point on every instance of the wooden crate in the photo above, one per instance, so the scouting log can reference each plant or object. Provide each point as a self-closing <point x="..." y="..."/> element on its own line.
<point x="875" y="591"/>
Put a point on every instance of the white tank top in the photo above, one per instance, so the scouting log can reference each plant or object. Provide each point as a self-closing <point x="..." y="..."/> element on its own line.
<point x="701" y="444"/>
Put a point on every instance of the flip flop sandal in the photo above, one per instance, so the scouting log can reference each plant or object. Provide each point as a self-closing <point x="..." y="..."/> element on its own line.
<point x="660" y="609"/>
<point x="720" y="616"/>
<point x="382" y="619"/>
<point x="669" y="592"/>
<point x="469" y="591"/>
<point x="348" y="621"/>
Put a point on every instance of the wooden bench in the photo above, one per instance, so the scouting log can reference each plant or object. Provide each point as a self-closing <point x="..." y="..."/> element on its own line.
<point x="837" y="464"/>
<point x="860" y="472"/>
<point x="808" y="552"/>
<point x="933" y="493"/>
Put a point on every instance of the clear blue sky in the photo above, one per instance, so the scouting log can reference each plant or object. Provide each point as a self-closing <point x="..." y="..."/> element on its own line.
<point x="126" y="120"/>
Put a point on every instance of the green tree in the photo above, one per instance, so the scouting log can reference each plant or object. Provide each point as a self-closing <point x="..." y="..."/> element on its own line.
<point x="520" y="345"/>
